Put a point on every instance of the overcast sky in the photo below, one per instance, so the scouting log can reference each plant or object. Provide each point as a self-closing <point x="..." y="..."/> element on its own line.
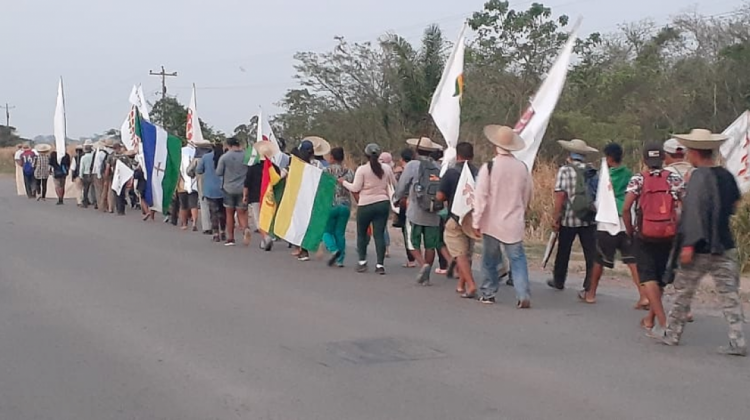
<point x="103" y="47"/>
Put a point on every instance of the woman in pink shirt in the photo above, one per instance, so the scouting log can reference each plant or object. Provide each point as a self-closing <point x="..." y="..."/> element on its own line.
<point x="370" y="188"/>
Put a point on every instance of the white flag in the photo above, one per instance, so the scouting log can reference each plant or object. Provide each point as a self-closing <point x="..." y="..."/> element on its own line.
<point x="736" y="151"/>
<point x="607" y="215"/>
<point x="121" y="177"/>
<point x="446" y="102"/>
<point x="188" y="154"/>
<point x="463" y="200"/>
<point x="193" y="130"/>
<point x="264" y="132"/>
<point x="60" y="123"/>
<point x="138" y="98"/>
<point x="533" y="124"/>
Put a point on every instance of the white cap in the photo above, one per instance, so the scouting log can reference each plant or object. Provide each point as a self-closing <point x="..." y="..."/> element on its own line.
<point x="673" y="146"/>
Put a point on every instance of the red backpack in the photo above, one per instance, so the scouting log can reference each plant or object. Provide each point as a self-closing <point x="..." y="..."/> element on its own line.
<point x="657" y="210"/>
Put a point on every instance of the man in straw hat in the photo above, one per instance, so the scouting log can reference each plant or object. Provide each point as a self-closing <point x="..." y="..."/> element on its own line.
<point x="656" y="194"/>
<point x="420" y="181"/>
<point x="42" y="170"/>
<point x="202" y="147"/>
<point x="459" y="242"/>
<point x="500" y="201"/>
<point x="707" y="242"/>
<point x="85" y="172"/>
<point x="101" y="185"/>
<point x="75" y="174"/>
<point x="574" y="211"/>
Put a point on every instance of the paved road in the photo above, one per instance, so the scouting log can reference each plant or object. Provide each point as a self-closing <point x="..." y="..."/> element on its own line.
<point x="105" y="317"/>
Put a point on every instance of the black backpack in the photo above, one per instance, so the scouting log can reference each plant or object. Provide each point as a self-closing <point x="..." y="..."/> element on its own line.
<point x="583" y="202"/>
<point x="427" y="186"/>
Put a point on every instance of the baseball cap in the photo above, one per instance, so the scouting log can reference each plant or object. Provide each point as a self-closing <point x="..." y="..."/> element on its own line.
<point x="233" y="142"/>
<point x="673" y="147"/>
<point x="653" y="155"/>
<point x="306" y="146"/>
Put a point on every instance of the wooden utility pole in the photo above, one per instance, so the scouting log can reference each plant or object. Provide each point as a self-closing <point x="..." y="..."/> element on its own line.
<point x="7" y="109"/>
<point x="163" y="74"/>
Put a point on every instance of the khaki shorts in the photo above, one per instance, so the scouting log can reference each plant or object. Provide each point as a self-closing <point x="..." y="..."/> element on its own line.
<point x="456" y="241"/>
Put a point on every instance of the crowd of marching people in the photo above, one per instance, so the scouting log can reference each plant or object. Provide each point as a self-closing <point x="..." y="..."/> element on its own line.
<point x="674" y="215"/>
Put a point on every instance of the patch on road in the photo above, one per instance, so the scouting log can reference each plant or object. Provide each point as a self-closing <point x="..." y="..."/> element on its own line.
<point x="374" y="351"/>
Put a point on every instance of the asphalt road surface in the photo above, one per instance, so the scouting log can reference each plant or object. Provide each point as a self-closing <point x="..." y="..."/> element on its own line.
<point x="105" y="317"/>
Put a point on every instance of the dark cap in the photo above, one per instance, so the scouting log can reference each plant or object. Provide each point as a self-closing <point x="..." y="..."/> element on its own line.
<point x="233" y="142"/>
<point x="653" y="155"/>
<point x="307" y="146"/>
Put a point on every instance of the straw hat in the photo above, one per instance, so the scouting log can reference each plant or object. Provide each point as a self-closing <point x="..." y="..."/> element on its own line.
<point x="202" y="144"/>
<point x="504" y="137"/>
<point x="577" y="146"/>
<point x="107" y="143"/>
<point x="267" y="149"/>
<point x="43" y="148"/>
<point x="467" y="228"/>
<point x="321" y="145"/>
<point x="701" y="139"/>
<point x="424" y="143"/>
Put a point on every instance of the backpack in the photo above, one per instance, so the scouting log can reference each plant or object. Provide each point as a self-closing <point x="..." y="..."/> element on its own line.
<point x="427" y="186"/>
<point x="657" y="212"/>
<point x="28" y="165"/>
<point x="583" y="202"/>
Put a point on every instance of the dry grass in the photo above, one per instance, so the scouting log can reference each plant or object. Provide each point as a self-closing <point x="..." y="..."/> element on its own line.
<point x="539" y="216"/>
<point x="6" y="160"/>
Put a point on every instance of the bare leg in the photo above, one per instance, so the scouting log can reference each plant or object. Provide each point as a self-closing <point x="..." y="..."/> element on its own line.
<point x="230" y="224"/>
<point x="596" y="275"/>
<point x="417" y="254"/>
<point x="643" y="300"/>
<point x="653" y="293"/>
<point x="466" y="281"/>
<point x="194" y="213"/>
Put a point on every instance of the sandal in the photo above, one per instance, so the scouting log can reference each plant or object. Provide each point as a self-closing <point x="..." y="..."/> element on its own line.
<point x="583" y="298"/>
<point x="645" y="325"/>
<point x="460" y="291"/>
<point x="642" y="306"/>
<point x="409" y="265"/>
<point x="471" y="295"/>
<point x="523" y="304"/>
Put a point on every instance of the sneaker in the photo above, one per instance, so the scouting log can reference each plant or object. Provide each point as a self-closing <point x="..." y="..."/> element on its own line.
<point x="216" y="239"/>
<point x="223" y="236"/>
<point x="303" y="256"/>
<point x="424" y="275"/>
<point x="207" y="232"/>
<point x="336" y="255"/>
<point x="380" y="270"/>
<point x="487" y="300"/>
<point x="229" y="242"/>
<point x="362" y="268"/>
<point x="246" y="237"/>
<point x="732" y="350"/>
<point x="658" y="333"/>
<point x="340" y="265"/>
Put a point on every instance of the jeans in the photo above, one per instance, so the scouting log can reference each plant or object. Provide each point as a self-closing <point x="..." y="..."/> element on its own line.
<point x="587" y="236"/>
<point x="30" y="184"/>
<point x="335" y="234"/>
<point x="492" y="257"/>
<point x="375" y="214"/>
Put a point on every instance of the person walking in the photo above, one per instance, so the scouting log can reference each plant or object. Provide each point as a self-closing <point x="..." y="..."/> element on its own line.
<point x="707" y="242"/>
<point x="310" y="151"/>
<point x="60" y="172"/>
<point x="233" y="170"/>
<point x="334" y="237"/>
<point x="212" y="191"/>
<point x="460" y="244"/>
<point x="574" y="211"/>
<point x="501" y="198"/>
<point x="85" y="172"/>
<point x="420" y="182"/>
<point x="407" y="155"/>
<point x="102" y="182"/>
<point x="75" y="174"/>
<point x="26" y="160"/>
<point x="42" y="170"/>
<point x="607" y="244"/>
<point x="370" y="186"/>
<point x="656" y="195"/>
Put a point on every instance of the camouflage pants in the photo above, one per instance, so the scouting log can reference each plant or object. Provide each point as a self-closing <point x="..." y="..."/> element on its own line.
<point x="725" y="272"/>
